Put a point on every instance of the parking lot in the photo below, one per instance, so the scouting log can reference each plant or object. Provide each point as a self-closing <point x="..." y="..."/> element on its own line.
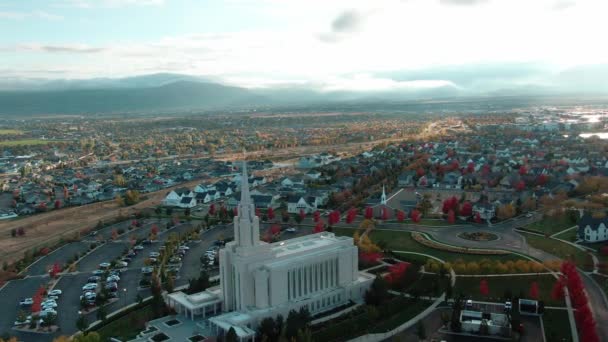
<point x="71" y="284"/>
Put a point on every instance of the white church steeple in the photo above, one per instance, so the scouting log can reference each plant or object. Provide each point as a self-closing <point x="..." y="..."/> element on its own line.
<point x="383" y="197"/>
<point x="246" y="224"/>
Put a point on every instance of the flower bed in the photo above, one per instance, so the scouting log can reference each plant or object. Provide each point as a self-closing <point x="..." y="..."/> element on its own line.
<point x="421" y="239"/>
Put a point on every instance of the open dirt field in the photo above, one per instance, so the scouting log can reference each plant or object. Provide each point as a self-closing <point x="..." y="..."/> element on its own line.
<point x="48" y="228"/>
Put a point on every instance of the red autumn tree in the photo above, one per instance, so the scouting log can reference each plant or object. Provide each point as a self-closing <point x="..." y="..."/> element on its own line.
<point x="114" y="234"/>
<point x="37" y="301"/>
<point x="396" y="272"/>
<point x="520" y="186"/>
<point x="212" y="209"/>
<point x="316" y="216"/>
<point x="522" y="170"/>
<point x="420" y="172"/>
<point x="450" y="204"/>
<point x="541" y="180"/>
<point x="415" y="216"/>
<point x="369" y="258"/>
<point x="258" y="213"/>
<point x="154" y="229"/>
<point x="534" y="292"/>
<point x="369" y="213"/>
<point x="57" y="204"/>
<point x="470" y="167"/>
<point x="466" y="209"/>
<point x="319" y="227"/>
<point x="451" y="217"/>
<point x="55" y="270"/>
<point x="270" y="213"/>
<point x="302" y="214"/>
<point x="352" y="214"/>
<point x="400" y="215"/>
<point x="483" y="288"/>
<point x="235" y="211"/>
<point x="477" y="218"/>
<point x="275" y="229"/>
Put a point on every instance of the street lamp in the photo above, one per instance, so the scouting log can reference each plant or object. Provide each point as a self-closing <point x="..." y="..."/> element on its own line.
<point x="125" y="297"/>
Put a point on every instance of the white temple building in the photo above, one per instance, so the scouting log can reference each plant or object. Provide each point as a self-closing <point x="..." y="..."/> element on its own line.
<point x="259" y="280"/>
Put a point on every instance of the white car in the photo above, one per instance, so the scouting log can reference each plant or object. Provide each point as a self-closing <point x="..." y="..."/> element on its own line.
<point x="138" y="247"/>
<point x="89" y="287"/>
<point x="56" y="292"/>
<point x="44" y="313"/>
<point x="53" y="297"/>
<point x="104" y="265"/>
<point x="184" y="247"/>
<point x="122" y="264"/>
<point x="28" y="320"/>
<point x="48" y="301"/>
<point x="98" y="272"/>
<point x="49" y="306"/>
<point x="112" y="279"/>
<point x="26" y="301"/>
<point x="154" y="254"/>
<point x="291" y="230"/>
<point x="88" y="296"/>
<point x="147" y="270"/>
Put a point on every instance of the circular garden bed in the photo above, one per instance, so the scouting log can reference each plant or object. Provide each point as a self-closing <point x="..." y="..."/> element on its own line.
<point x="478" y="236"/>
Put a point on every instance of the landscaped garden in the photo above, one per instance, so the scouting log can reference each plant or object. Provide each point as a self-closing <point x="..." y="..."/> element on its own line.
<point x="552" y="224"/>
<point x="561" y="250"/>
<point x="478" y="236"/>
<point x="403" y="241"/>
<point x="128" y="326"/>
<point x="499" y="287"/>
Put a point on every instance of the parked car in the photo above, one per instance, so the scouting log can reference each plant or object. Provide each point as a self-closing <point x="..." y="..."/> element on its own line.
<point x="26" y="301"/>
<point x="98" y="272"/>
<point x="93" y="279"/>
<point x="138" y="247"/>
<point x="291" y="230"/>
<point x="53" y="297"/>
<point x="111" y="286"/>
<point x="122" y="264"/>
<point x="104" y="265"/>
<point x="45" y="313"/>
<point x="55" y="292"/>
<point x="508" y="306"/>
<point x="184" y="247"/>
<point x="28" y="320"/>
<point x="147" y="270"/>
<point x="132" y="255"/>
<point x="154" y="255"/>
<point x="89" y="287"/>
<point x="113" y="278"/>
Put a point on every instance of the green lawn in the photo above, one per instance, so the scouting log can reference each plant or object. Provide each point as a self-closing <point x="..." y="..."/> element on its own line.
<point x="561" y="250"/>
<point x="10" y="132"/>
<point x="127" y="327"/>
<point x="569" y="235"/>
<point x="402" y="241"/>
<point x="469" y="287"/>
<point x="25" y="142"/>
<point x="551" y="225"/>
<point x="557" y="325"/>
<point x="602" y="282"/>
<point x="408" y="312"/>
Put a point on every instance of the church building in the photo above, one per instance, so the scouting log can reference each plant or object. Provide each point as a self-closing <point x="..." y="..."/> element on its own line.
<point x="260" y="280"/>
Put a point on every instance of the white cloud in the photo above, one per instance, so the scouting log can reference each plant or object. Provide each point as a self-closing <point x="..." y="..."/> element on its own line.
<point x="107" y="3"/>
<point x="369" y="83"/>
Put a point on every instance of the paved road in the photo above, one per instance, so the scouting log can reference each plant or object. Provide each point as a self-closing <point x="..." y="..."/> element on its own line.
<point x="61" y="255"/>
<point x="9" y="302"/>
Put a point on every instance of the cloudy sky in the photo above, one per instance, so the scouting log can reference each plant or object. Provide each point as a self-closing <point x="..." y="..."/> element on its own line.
<point x="333" y="44"/>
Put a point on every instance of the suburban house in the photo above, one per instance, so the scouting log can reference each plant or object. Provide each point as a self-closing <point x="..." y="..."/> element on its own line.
<point x="593" y="229"/>
<point x="295" y="204"/>
<point x="182" y="198"/>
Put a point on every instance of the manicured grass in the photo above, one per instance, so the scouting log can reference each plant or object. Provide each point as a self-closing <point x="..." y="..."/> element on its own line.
<point x="569" y="235"/>
<point x="10" y="132"/>
<point x="25" y="142"/>
<point x="402" y="241"/>
<point x="551" y="225"/>
<point x="602" y="282"/>
<point x="561" y="250"/>
<point x="517" y="284"/>
<point x="408" y="312"/>
<point x="128" y="326"/>
<point x="557" y="325"/>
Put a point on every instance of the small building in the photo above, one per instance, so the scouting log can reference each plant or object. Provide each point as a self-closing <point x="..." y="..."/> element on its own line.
<point x="476" y="321"/>
<point x="593" y="229"/>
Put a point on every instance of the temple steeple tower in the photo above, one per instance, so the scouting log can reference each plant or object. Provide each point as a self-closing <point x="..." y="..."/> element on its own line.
<point x="246" y="224"/>
<point x="383" y="197"/>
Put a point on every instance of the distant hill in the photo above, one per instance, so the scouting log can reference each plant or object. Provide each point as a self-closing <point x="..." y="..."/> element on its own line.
<point x="176" y="95"/>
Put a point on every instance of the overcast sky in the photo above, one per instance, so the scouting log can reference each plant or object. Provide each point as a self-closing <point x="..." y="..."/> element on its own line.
<point x="337" y="44"/>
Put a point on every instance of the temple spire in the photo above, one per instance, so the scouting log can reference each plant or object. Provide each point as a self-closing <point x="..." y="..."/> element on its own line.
<point x="383" y="197"/>
<point x="246" y="224"/>
<point x="245" y="198"/>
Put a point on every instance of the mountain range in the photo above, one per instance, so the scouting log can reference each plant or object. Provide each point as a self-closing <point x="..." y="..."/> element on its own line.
<point x="177" y="92"/>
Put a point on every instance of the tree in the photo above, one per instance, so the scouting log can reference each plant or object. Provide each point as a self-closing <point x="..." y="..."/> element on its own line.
<point x="57" y="204"/>
<point x="483" y="288"/>
<point x="132" y="197"/>
<point x="400" y="215"/>
<point x="415" y="216"/>
<point x="316" y="216"/>
<point x="450" y="204"/>
<point x="557" y="293"/>
<point x="520" y="186"/>
<point x="477" y="218"/>
<point x="212" y="209"/>
<point x="506" y="211"/>
<point x="319" y="227"/>
<point x="351" y="215"/>
<point x="275" y="229"/>
<point x="270" y="213"/>
<point x="384" y="213"/>
<point x="302" y="216"/>
<point x="55" y="270"/>
<point x="88" y="337"/>
<point x="534" y="292"/>
<point x="268" y="329"/>
<point x="369" y="213"/>
<point x="377" y="293"/>
<point x="37" y="301"/>
<point x="119" y="201"/>
<point x="466" y="209"/>
<point x="451" y="217"/>
<point x="114" y="234"/>
<point x="81" y="323"/>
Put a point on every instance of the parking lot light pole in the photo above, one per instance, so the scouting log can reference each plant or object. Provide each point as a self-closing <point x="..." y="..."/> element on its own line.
<point x="125" y="297"/>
